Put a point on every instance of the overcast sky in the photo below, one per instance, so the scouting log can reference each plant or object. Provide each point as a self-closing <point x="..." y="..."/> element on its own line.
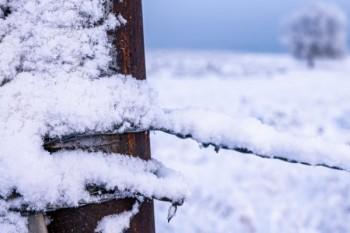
<point x="244" y="25"/>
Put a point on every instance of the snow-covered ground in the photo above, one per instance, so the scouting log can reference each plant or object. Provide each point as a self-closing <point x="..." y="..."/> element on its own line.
<point x="239" y="193"/>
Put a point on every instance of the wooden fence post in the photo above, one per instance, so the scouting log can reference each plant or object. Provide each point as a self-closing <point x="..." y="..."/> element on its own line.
<point x="129" y="44"/>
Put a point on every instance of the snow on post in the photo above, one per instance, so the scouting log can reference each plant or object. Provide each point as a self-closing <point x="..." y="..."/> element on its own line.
<point x="127" y="56"/>
<point x="315" y="32"/>
<point x="56" y="80"/>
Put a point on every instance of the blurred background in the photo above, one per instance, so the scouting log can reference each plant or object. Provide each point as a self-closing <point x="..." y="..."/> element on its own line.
<point x="249" y="26"/>
<point x="227" y="56"/>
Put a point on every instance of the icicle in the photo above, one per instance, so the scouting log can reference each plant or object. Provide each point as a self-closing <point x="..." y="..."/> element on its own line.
<point x="172" y="212"/>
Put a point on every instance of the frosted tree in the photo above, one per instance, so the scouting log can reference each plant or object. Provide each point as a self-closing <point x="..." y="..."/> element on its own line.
<point x="317" y="31"/>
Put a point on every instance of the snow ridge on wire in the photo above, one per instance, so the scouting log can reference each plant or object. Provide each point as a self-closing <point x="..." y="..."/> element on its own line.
<point x="250" y="136"/>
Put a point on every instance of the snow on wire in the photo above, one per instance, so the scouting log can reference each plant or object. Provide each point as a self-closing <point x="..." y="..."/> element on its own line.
<point x="55" y="81"/>
<point x="250" y="136"/>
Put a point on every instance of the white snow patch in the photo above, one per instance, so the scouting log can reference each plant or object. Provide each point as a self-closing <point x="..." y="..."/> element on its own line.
<point x="121" y="19"/>
<point x="117" y="223"/>
<point x="11" y="222"/>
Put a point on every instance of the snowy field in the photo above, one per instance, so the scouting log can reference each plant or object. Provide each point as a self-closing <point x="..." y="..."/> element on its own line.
<point x="231" y="192"/>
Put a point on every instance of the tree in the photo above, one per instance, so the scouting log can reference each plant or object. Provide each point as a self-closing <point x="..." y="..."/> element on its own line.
<point x="317" y="31"/>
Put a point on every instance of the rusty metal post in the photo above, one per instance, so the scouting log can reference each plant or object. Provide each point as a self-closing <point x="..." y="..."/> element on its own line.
<point x="129" y="44"/>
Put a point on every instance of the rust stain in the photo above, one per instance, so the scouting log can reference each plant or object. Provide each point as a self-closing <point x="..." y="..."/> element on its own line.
<point x="132" y="144"/>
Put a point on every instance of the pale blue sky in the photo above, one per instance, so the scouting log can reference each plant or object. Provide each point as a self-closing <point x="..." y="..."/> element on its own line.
<point x="244" y="25"/>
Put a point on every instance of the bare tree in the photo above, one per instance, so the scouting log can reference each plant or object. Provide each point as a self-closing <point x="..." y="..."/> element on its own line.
<point x="317" y="31"/>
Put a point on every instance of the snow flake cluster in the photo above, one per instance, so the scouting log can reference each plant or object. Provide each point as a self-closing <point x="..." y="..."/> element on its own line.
<point x="54" y="38"/>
